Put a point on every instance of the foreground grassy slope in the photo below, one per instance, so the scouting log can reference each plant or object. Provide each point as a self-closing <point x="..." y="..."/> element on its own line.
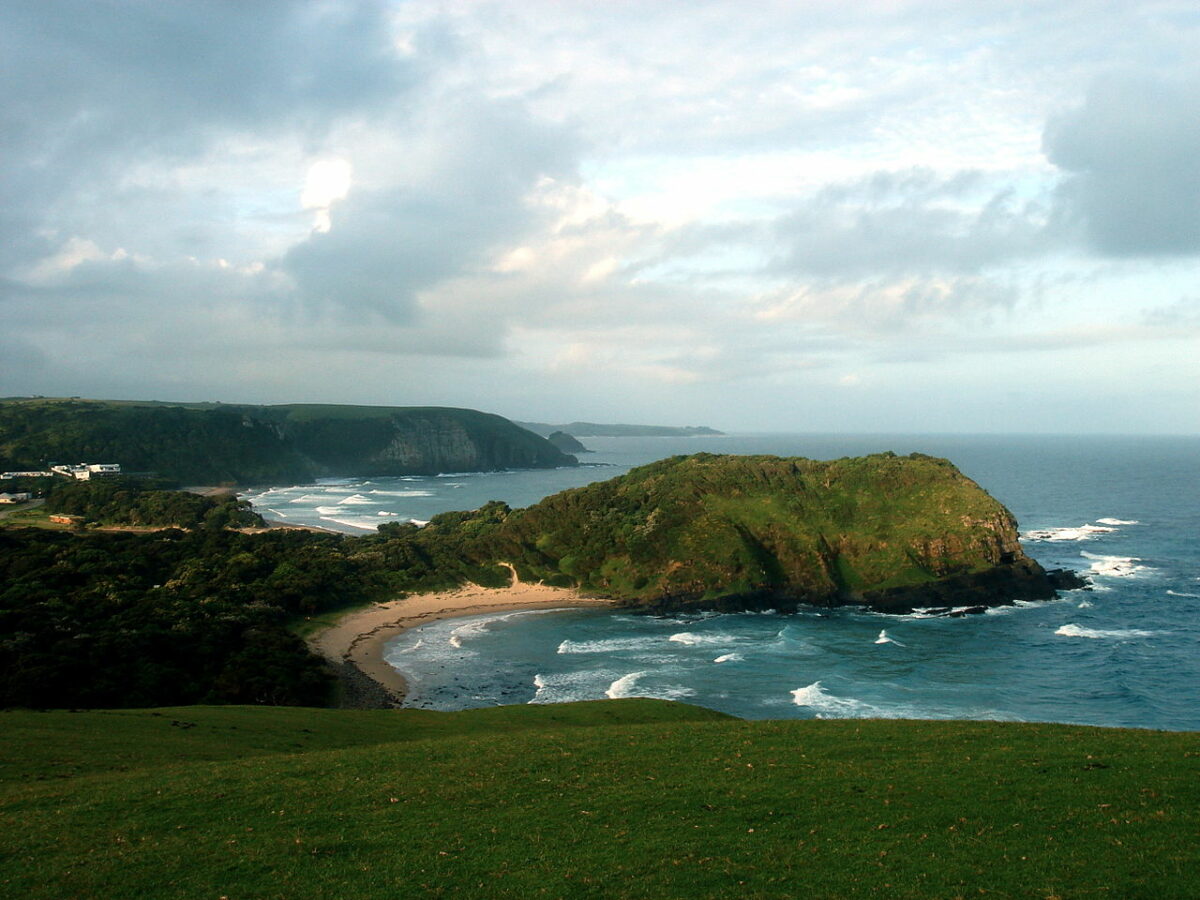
<point x="651" y="800"/>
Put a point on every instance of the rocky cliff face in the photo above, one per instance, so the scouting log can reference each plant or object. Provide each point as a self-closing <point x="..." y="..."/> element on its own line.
<point x="414" y="441"/>
<point x="728" y="532"/>
<point x="445" y="443"/>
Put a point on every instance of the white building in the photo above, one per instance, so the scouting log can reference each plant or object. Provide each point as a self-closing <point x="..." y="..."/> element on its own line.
<point x="87" y="471"/>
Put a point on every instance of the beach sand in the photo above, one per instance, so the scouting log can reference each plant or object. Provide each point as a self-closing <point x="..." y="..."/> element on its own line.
<point x="357" y="639"/>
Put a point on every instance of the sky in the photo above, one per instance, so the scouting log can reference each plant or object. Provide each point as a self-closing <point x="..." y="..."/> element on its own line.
<point x="759" y="216"/>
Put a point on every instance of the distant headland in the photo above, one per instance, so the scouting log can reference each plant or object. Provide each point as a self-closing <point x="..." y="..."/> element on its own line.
<point x="215" y="443"/>
<point x="593" y="429"/>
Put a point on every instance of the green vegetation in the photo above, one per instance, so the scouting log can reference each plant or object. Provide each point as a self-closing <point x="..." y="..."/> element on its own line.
<point x="607" y="799"/>
<point x="884" y="530"/>
<point x="173" y="617"/>
<point x="212" y="616"/>
<point x="218" y="444"/>
<point x="120" y="501"/>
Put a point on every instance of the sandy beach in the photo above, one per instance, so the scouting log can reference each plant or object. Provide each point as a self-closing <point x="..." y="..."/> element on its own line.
<point x="359" y="636"/>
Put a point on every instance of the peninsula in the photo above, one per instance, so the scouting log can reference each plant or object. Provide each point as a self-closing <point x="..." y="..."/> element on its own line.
<point x="888" y="532"/>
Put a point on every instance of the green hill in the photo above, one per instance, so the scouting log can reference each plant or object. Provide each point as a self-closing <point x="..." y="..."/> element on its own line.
<point x="215" y="444"/>
<point x="735" y="531"/>
<point x="633" y="798"/>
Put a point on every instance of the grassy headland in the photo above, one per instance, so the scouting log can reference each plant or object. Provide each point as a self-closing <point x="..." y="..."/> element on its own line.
<point x="606" y="799"/>
<point x="227" y="443"/>
<point x="735" y="531"/>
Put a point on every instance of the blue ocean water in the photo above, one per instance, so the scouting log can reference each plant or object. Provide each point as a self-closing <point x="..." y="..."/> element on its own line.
<point x="1124" y="510"/>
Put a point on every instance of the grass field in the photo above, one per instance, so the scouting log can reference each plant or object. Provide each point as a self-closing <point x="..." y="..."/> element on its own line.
<point x="632" y="798"/>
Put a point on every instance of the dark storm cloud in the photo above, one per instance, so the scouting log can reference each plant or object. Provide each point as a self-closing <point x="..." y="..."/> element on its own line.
<point x="1131" y="151"/>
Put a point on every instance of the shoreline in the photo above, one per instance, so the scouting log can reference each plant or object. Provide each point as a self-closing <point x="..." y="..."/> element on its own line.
<point x="357" y="639"/>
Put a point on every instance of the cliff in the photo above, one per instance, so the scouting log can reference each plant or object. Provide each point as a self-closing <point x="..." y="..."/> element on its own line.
<point x="215" y="443"/>
<point x="566" y="443"/>
<point x="728" y="532"/>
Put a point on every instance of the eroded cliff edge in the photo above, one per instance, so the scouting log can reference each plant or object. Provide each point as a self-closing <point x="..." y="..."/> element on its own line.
<point x="887" y="532"/>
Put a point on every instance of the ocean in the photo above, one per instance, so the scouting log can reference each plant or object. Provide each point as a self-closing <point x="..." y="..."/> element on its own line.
<point x="1123" y="510"/>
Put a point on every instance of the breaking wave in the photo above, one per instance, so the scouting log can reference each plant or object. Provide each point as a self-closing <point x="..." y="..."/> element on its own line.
<point x="610" y="645"/>
<point x="1115" y="566"/>
<point x="625" y="686"/>
<point x="1118" y="634"/>
<point x="1067" y="533"/>
<point x="828" y="706"/>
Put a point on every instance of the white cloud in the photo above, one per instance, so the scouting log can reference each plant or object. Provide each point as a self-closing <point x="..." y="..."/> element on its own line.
<point x="668" y="206"/>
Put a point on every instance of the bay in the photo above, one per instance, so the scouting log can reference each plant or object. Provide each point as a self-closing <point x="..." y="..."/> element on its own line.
<point x="1124" y="510"/>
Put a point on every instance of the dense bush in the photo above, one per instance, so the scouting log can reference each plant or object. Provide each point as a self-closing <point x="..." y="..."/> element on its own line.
<point x="121" y="501"/>
<point x="112" y="619"/>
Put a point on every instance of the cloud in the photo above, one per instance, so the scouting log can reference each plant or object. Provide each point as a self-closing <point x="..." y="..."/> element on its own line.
<point x="100" y="99"/>
<point x="446" y="219"/>
<point x="1130" y="154"/>
<point x="913" y="221"/>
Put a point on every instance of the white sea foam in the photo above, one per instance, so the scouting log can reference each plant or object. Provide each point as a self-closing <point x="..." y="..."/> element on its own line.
<point x="625" y="686"/>
<point x="1015" y="606"/>
<point x="884" y="639"/>
<point x="1119" y="634"/>
<point x="357" y="500"/>
<point x="729" y="657"/>
<point x="1118" y="521"/>
<point x="413" y="493"/>
<point x="384" y="512"/>
<point x="1076" y="533"/>
<point x="420" y="523"/>
<point x="474" y="629"/>
<point x="610" y="645"/>
<point x="329" y="511"/>
<point x="1085" y="604"/>
<point x="1115" y="566"/>
<point x="691" y="639"/>
<point x="828" y="706"/>
<point x="1183" y="594"/>
<point x="569" y="686"/>
<point x="307" y="498"/>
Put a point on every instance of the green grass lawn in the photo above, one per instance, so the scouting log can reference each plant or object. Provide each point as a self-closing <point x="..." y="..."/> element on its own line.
<point x="608" y="799"/>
